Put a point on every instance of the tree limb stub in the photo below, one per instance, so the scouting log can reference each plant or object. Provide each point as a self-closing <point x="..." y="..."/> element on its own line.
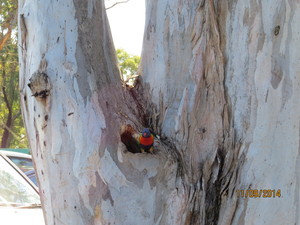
<point x="39" y="85"/>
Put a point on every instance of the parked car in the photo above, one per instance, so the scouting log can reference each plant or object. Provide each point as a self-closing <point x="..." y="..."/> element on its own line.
<point x="31" y="175"/>
<point x="22" y="160"/>
<point x="19" y="197"/>
<point x="21" y="150"/>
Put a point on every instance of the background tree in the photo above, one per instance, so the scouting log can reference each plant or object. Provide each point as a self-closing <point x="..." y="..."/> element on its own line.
<point x="8" y="20"/>
<point x="128" y="65"/>
<point x="12" y="131"/>
<point x="220" y="86"/>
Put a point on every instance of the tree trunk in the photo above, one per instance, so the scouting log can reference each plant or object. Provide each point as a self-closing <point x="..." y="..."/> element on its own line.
<point x="6" y="136"/>
<point x="223" y="78"/>
<point x="219" y="86"/>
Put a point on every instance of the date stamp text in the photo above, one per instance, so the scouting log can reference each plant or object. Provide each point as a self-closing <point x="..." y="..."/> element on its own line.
<point x="259" y="193"/>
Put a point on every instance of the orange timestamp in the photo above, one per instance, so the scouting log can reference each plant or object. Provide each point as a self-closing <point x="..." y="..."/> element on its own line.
<point x="258" y="193"/>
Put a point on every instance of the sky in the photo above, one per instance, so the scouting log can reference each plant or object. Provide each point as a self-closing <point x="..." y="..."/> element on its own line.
<point x="127" y="22"/>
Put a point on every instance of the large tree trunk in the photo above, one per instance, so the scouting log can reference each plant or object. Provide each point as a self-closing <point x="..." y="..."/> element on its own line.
<point x="224" y="80"/>
<point x="219" y="85"/>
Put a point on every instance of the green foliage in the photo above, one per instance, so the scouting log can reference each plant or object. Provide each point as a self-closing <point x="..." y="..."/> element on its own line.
<point x="8" y="7"/>
<point x="128" y="63"/>
<point x="8" y="20"/>
<point x="12" y="131"/>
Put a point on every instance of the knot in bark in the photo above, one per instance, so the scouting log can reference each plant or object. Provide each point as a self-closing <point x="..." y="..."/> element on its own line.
<point x="39" y="85"/>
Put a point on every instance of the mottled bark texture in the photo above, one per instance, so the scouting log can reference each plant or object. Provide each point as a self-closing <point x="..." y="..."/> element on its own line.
<point x="219" y="86"/>
<point x="224" y="79"/>
<point x="183" y="65"/>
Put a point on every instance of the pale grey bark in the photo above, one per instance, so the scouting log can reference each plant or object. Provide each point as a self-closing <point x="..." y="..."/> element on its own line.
<point x="224" y="82"/>
<point x="219" y="85"/>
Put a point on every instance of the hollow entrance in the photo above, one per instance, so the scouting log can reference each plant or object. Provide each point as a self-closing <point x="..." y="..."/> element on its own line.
<point x="129" y="141"/>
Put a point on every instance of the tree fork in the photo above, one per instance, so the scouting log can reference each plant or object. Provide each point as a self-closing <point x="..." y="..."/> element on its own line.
<point x="206" y="91"/>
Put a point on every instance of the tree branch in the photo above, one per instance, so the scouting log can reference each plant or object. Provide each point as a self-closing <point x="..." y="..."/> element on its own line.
<point x="4" y="126"/>
<point x="17" y="115"/>
<point x="5" y="38"/>
<point x="8" y="124"/>
<point x="116" y="4"/>
<point x="6" y="98"/>
<point x="11" y="24"/>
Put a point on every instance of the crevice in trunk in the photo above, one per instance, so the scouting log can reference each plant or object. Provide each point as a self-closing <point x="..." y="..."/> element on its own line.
<point x="136" y="95"/>
<point x="127" y="137"/>
<point x="213" y="193"/>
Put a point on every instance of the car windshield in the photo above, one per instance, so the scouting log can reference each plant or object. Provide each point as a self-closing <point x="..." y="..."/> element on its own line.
<point x="14" y="189"/>
<point x="23" y="163"/>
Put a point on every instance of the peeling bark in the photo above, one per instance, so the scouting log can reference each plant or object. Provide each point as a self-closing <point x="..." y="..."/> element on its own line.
<point x="203" y="66"/>
<point x="194" y="95"/>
